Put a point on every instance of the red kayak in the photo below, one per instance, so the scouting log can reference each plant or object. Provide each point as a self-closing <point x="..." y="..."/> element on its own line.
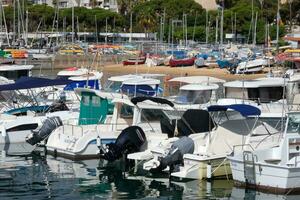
<point x="182" y="62"/>
<point x="139" y="61"/>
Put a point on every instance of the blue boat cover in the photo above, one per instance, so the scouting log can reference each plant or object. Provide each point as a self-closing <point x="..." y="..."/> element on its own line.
<point x="33" y="82"/>
<point x="82" y="84"/>
<point x="245" y="110"/>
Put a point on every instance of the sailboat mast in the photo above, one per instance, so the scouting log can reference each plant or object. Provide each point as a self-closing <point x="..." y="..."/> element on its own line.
<point x="5" y="26"/>
<point x="217" y="28"/>
<point x="106" y="30"/>
<point x="206" y="27"/>
<point x="26" y="29"/>
<point x="251" y="24"/>
<point x="222" y="21"/>
<point x="277" y="26"/>
<point x="254" y="32"/>
<point x="72" y="22"/>
<point x="14" y="21"/>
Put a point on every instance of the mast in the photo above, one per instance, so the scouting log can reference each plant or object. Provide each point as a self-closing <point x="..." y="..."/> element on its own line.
<point x="252" y="19"/>
<point x="206" y="28"/>
<point x="222" y="21"/>
<point x="235" y="36"/>
<point x="217" y="28"/>
<point x="130" y="37"/>
<point x="277" y="27"/>
<point x="290" y="7"/>
<point x="72" y="22"/>
<point x="57" y="21"/>
<point x="14" y="21"/>
<point x="5" y="25"/>
<point x="26" y="29"/>
<point x="254" y="32"/>
<point x="195" y="22"/>
<point x="106" y="30"/>
<point x="96" y="29"/>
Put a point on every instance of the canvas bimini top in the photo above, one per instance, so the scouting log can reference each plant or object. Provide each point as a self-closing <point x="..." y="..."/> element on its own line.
<point x="243" y="109"/>
<point x="33" y="82"/>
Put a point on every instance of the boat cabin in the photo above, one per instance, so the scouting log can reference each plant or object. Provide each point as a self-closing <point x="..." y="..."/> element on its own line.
<point x="195" y="89"/>
<point x="94" y="108"/>
<point x="195" y="93"/>
<point x="262" y="90"/>
<point x="14" y="72"/>
<point x="141" y="87"/>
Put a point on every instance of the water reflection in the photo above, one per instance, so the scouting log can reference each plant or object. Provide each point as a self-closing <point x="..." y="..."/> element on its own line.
<point x="26" y="175"/>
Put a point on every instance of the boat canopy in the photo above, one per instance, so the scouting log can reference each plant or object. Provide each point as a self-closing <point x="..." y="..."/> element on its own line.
<point x="199" y="87"/>
<point x="15" y="67"/>
<point x="243" y="109"/>
<point x="136" y="100"/>
<point x="33" y="82"/>
<point x="263" y="82"/>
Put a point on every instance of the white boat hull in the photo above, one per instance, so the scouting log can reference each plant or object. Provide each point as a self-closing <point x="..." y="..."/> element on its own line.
<point x="271" y="178"/>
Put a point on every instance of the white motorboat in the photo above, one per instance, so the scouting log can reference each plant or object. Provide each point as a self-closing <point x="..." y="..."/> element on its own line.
<point x="251" y="66"/>
<point x="275" y="169"/>
<point x="272" y="95"/>
<point x="96" y="128"/>
<point x="209" y="157"/>
<point x="14" y="71"/>
<point x="15" y="129"/>
<point x="195" y="92"/>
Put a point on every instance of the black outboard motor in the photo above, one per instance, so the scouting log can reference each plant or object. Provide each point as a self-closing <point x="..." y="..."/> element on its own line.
<point x="129" y="141"/>
<point x="175" y="155"/>
<point x="49" y="125"/>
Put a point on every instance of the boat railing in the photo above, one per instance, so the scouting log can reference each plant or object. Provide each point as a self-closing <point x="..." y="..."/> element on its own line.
<point x="84" y="129"/>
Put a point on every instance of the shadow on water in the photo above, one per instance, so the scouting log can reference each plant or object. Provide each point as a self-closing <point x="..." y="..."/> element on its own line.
<point x="34" y="175"/>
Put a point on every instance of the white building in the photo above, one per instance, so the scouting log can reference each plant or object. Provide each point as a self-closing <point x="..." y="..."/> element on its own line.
<point x="105" y="4"/>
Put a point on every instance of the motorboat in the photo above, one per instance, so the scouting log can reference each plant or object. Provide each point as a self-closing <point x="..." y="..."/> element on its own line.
<point x="251" y="66"/>
<point x="272" y="95"/>
<point x="211" y="147"/>
<point x="15" y="71"/>
<point x="141" y="87"/>
<point x="195" y="91"/>
<point x="275" y="169"/>
<point x="95" y="127"/>
<point x="15" y="129"/>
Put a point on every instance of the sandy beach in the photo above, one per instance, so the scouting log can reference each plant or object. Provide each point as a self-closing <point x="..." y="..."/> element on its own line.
<point x="177" y="71"/>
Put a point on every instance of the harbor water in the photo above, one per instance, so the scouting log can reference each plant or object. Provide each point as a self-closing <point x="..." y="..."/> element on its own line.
<point x="36" y="175"/>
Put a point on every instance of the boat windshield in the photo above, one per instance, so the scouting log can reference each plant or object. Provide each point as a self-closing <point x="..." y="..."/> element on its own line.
<point x="112" y="86"/>
<point x="293" y="125"/>
<point x="15" y="74"/>
<point x="262" y="94"/>
<point x="193" y="96"/>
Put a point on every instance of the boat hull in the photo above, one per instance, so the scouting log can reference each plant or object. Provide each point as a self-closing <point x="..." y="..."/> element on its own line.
<point x="183" y="62"/>
<point x="268" y="178"/>
<point x="197" y="169"/>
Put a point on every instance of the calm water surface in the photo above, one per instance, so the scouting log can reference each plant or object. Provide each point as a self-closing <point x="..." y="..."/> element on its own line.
<point x="33" y="175"/>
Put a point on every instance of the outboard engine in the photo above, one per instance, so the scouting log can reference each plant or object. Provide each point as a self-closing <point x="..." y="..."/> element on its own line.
<point x="129" y="141"/>
<point x="175" y="155"/>
<point x="49" y="125"/>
